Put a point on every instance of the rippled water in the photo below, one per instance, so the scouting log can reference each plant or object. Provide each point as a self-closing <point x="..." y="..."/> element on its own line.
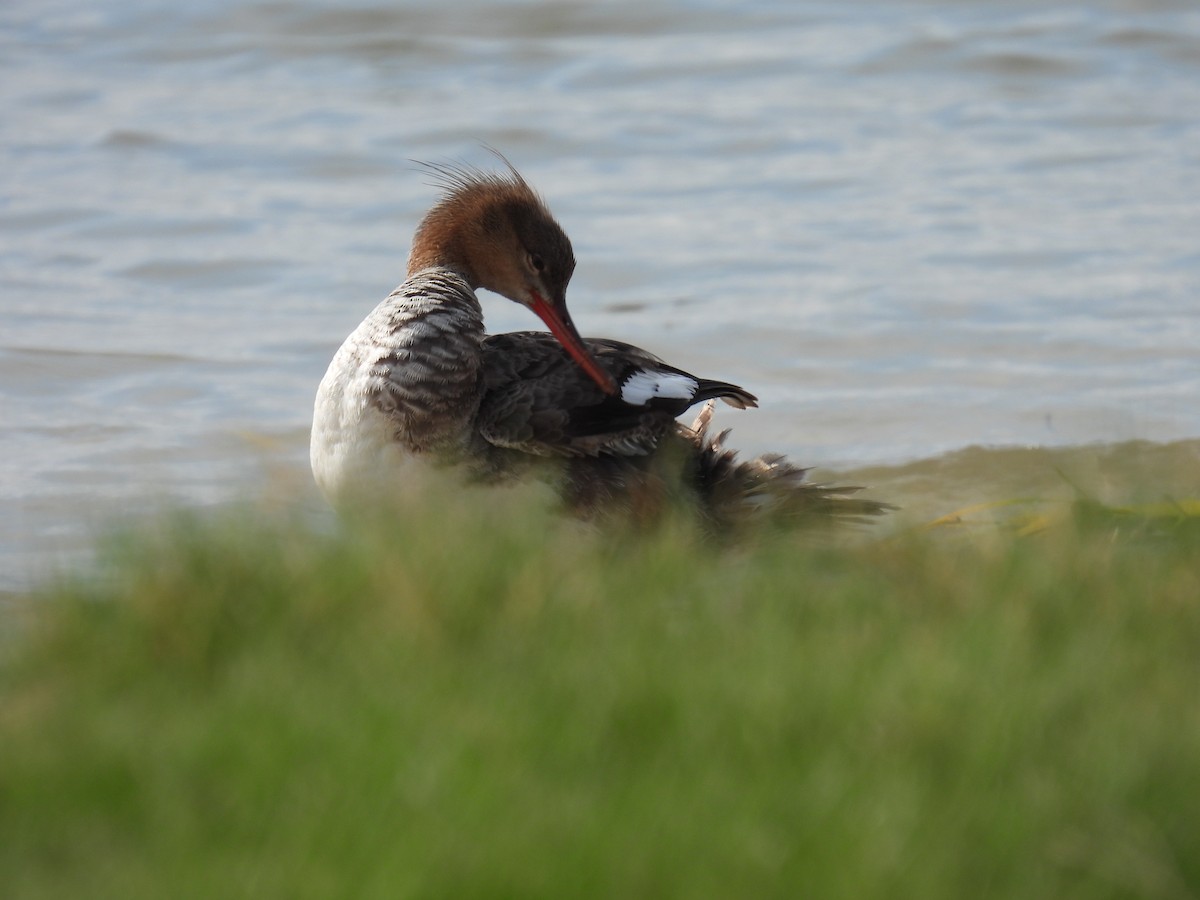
<point x="909" y="227"/>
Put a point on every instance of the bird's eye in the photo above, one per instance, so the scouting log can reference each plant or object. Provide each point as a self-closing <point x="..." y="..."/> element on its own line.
<point x="537" y="263"/>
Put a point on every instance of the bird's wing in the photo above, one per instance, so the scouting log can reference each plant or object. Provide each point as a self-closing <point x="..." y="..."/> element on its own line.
<point x="538" y="400"/>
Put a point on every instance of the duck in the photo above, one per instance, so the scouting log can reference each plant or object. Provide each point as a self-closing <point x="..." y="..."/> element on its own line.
<point x="420" y="387"/>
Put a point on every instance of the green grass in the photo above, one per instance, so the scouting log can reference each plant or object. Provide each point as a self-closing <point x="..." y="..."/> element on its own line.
<point x="490" y="703"/>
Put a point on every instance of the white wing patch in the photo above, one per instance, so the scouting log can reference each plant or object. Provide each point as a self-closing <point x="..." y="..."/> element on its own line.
<point x="644" y="385"/>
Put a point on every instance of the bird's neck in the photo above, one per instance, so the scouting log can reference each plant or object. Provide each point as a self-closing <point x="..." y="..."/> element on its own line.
<point x="441" y="242"/>
<point x="441" y="291"/>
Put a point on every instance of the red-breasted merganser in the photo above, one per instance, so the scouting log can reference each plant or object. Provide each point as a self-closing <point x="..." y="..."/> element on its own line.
<point x="418" y="382"/>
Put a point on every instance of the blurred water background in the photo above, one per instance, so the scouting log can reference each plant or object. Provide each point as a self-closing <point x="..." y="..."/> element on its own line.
<point x="908" y="227"/>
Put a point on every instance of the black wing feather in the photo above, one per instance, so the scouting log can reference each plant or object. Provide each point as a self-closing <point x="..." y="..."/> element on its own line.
<point x="537" y="399"/>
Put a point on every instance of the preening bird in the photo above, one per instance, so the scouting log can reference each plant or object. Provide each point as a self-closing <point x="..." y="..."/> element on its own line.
<point x="420" y="384"/>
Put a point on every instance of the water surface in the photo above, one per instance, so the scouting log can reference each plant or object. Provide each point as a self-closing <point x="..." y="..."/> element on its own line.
<point x="909" y="227"/>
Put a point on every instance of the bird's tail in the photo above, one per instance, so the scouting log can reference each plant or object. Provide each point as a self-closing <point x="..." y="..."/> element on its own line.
<point x="694" y="470"/>
<point x="766" y="488"/>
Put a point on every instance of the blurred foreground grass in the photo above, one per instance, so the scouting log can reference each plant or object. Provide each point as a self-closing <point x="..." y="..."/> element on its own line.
<point x="490" y="702"/>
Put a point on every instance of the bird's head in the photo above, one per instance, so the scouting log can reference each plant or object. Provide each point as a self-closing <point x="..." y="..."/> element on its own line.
<point x="497" y="232"/>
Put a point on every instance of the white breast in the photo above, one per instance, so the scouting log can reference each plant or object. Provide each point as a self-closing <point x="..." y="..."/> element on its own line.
<point x="399" y="388"/>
